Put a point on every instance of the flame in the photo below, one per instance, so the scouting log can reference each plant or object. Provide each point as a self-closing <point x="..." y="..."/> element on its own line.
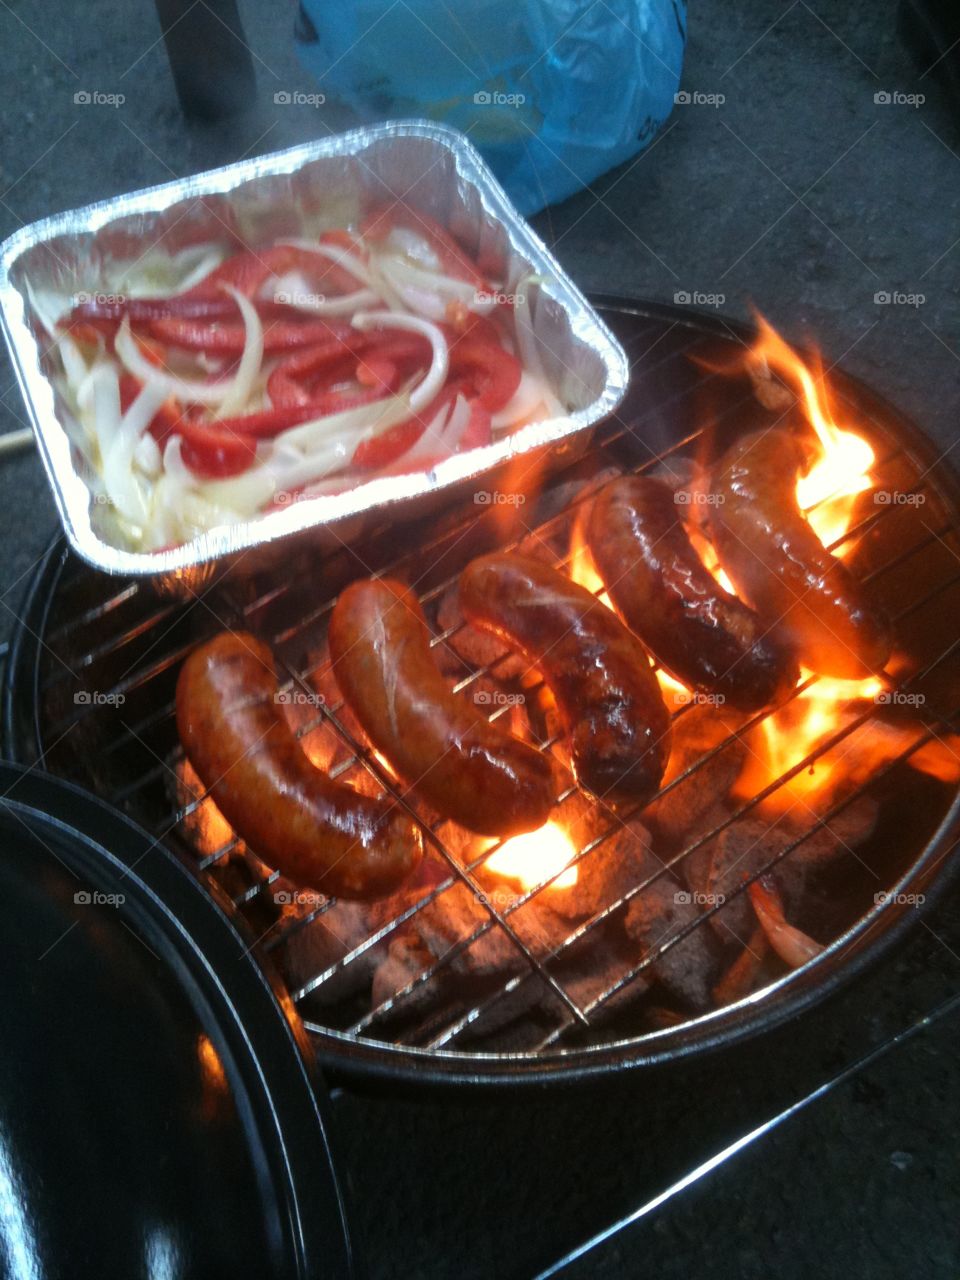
<point x="582" y="568"/>
<point x="827" y="493"/>
<point x="535" y="856"/>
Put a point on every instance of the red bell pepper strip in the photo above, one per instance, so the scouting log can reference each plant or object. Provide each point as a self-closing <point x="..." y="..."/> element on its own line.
<point x="288" y="383"/>
<point x="246" y="271"/>
<point x="228" y="339"/>
<point x="493" y="371"/>
<point x="213" y="452"/>
<point x="478" y="431"/>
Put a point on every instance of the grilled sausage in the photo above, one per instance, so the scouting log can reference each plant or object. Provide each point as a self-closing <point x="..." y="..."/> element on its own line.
<point x="779" y="565"/>
<point x="606" y="693"/>
<point x="441" y="746"/>
<point x="703" y="636"/>
<point x="316" y="831"/>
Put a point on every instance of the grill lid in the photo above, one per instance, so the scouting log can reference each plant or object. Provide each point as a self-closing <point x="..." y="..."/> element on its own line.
<point x="156" y="1115"/>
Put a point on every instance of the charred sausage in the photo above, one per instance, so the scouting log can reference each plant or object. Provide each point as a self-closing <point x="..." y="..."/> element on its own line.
<point x="440" y="745"/>
<point x="316" y="831"/>
<point x="779" y="565"/>
<point x="703" y="636"/>
<point x="606" y="693"/>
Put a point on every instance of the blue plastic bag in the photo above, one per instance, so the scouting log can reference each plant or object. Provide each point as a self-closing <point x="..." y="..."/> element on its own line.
<point x="552" y="92"/>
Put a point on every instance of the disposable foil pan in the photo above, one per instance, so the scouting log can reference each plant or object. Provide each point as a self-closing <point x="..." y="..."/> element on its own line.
<point x="429" y="168"/>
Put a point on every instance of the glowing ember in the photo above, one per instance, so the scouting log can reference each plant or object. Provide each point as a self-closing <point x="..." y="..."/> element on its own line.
<point x="828" y="491"/>
<point x="534" y="857"/>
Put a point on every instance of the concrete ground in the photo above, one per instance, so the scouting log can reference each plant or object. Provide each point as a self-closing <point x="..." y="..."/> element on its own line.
<point x="801" y="195"/>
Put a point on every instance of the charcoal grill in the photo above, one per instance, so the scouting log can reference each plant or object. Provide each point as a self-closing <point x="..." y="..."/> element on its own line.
<point x="87" y="639"/>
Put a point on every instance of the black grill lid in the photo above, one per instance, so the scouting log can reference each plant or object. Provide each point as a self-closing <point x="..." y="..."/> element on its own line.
<point x="157" y="1117"/>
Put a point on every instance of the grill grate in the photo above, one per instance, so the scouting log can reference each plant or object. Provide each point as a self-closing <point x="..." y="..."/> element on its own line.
<point x="121" y="641"/>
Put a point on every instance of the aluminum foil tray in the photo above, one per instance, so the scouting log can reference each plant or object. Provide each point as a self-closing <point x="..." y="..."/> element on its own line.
<point x="430" y="168"/>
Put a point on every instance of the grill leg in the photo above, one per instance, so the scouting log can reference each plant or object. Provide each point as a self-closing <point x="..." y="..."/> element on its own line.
<point x="209" y="57"/>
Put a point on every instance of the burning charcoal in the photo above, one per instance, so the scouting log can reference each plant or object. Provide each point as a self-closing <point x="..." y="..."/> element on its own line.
<point x="326" y="940"/>
<point x="599" y="962"/>
<point x="695" y="866"/>
<point x="689" y="969"/>
<point x="407" y="957"/>
<point x="606" y="873"/>
<point x="849" y="828"/>
<point x="678" y="815"/>
<point x="537" y="923"/>
<point x="453" y="917"/>
<point x="747" y="973"/>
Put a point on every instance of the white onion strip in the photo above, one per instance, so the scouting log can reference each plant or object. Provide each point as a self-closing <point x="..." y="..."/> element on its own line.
<point x="293" y="290"/>
<point x="349" y="261"/>
<point x="436" y="375"/>
<point x="135" y="362"/>
<point x="123" y="488"/>
<point x="252" y="357"/>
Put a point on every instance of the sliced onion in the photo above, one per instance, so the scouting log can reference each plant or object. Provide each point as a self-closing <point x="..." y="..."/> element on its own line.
<point x="414" y="246"/>
<point x="520" y="408"/>
<point x="146" y="457"/>
<point x="104" y="400"/>
<point x="193" y="392"/>
<point x="436" y="375"/>
<point x="123" y="488"/>
<point x="295" y="286"/>
<point x="349" y="261"/>
<point x="428" y="293"/>
<point x="135" y="362"/>
<point x="74" y="366"/>
<point x="318" y="432"/>
<point x="252" y="357"/>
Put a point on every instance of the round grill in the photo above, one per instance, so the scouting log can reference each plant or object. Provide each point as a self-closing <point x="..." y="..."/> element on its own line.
<point x="89" y="695"/>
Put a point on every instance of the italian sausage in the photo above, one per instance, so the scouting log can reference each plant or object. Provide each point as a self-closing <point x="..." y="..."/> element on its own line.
<point x="703" y="636"/>
<point x="779" y="565"/>
<point x="313" y="830"/>
<point x="607" y="696"/>
<point x="440" y="745"/>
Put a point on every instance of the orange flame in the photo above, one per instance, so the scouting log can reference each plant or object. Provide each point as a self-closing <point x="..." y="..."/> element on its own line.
<point x="534" y="857"/>
<point x="828" y="492"/>
<point x="582" y="568"/>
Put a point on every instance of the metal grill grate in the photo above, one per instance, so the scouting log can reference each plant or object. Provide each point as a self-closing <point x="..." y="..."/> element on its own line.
<point x="120" y="640"/>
